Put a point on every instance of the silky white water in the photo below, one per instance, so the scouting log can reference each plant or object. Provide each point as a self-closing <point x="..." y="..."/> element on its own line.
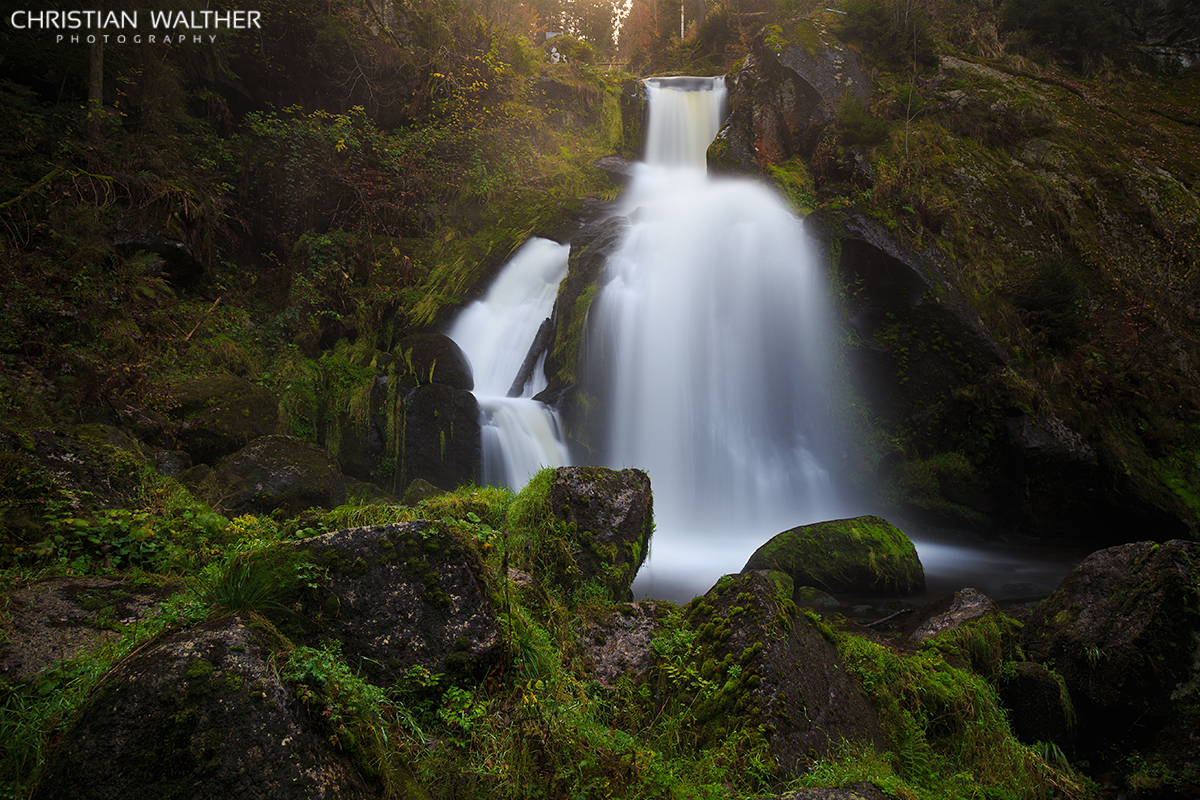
<point x="519" y="434"/>
<point x="714" y="327"/>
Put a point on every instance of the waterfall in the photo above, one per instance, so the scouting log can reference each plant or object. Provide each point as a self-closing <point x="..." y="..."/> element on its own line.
<point x="519" y="434"/>
<point x="713" y="332"/>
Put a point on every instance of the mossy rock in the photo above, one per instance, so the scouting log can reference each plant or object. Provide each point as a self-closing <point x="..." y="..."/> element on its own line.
<point x="217" y="416"/>
<point x="276" y="472"/>
<point x="1122" y="629"/>
<point x="774" y="671"/>
<point x="428" y="358"/>
<point x="784" y="94"/>
<point x="195" y="715"/>
<point x="862" y="554"/>
<point x="401" y="595"/>
<point x="585" y="526"/>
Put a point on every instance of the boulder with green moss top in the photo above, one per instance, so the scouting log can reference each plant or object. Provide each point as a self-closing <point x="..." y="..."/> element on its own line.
<point x="217" y="416"/>
<point x="603" y="518"/>
<point x="755" y="665"/>
<point x="276" y="472"/>
<point x="785" y="92"/>
<point x="400" y="595"/>
<point x="198" y="714"/>
<point x="862" y="554"/>
<point x="1123" y="630"/>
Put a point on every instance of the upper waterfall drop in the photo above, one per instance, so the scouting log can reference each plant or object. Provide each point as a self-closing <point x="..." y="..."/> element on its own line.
<point x="713" y="333"/>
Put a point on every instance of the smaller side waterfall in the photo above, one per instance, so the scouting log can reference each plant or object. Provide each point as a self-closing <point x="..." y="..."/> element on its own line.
<point x="520" y="435"/>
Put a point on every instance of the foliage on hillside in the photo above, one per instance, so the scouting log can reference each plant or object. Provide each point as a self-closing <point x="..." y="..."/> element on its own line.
<point x="227" y="204"/>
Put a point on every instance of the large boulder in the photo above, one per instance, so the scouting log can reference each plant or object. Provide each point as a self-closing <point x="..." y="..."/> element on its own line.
<point x="1039" y="706"/>
<point x="199" y="714"/>
<point x="400" y="595"/>
<point x="862" y="554"/>
<point x="433" y="358"/>
<point x="784" y="94"/>
<point x="419" y="418"/>
<point x="588" y="526"/>
<point x="769" y="666"/>
<point x="217" y="416"/>
<point x="618" y="643"/>
<point x="1123" y="630"/>
<point x="276" y="472"/>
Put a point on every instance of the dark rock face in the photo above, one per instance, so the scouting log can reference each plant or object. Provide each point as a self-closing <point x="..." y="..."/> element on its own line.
<point x="863" y="554"/>
<point x="200" y="714"/>
<point x="276" y="472"/>
<point x="611" y="514"/>
<point x="789" y="678"/>
<point x="1039" y="708"/>
<point x="411" y="427"/>
<point x="441" y="436"/>
<point x="433" y="358"/>
<point x="784" y="95"/>
<point x="633" y="119"/>
<point x="218" y="416"/>
<point x="1123" y="630"/>
<point x="405" y="594"/>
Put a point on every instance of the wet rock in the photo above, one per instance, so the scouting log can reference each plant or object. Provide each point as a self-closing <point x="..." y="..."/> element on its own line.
<point x="432" y="358"/>
<point x="1123" y="630"/>
<point x="410" y="428"/>
<point x="402" y="595"/>
<point x="441" y="438"/>
<point x="618" y="170"/>
<point x="618" y="645"/>
<point x="785" y="93"/>
<point x="217" y="416"/>
<point x="862" y="554"/>
<point x="276" y="472"/>
<point x="948" y="613"/>
<point x="197" y="715"/>
<point x="773" y="668"/>
<point x="1039" y="707"/>
<point x="611" y="515"/>
<point x="172" y="463"/>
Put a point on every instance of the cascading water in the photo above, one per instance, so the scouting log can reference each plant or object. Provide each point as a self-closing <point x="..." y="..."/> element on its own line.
<point x="713" y="331"/>
<point x="520" y="435"/>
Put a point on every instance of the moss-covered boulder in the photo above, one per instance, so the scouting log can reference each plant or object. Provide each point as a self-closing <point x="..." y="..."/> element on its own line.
<point x="276" y="472"/>
<point x="1039" y="706"/>
<point x="585" y="528"/>
<point x="862" y="554"/>
<point x="401" y="595"/>
<point x="785" y="92"/>
<point x="426" y="358"/>
<point x="217" y="416"/>
<point x="759" y="662"/>
<point x="199" y="714"/>
<point x="1123" y="630"/>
